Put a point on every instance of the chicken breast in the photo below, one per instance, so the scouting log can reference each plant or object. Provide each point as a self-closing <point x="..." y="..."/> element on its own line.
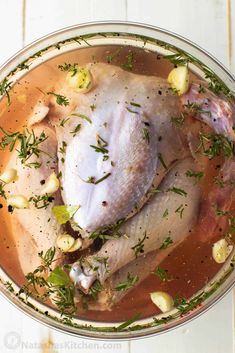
<point x="108" y="166"/>
<point x="165" y="220"/>
<point x="34" y="229"/>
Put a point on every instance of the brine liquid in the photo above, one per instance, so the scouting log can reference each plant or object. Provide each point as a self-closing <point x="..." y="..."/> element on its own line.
<point x="190" y="265"/>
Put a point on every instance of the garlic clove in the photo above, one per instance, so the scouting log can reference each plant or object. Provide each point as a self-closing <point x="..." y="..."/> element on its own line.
<point x="178" y="78"/>
<point x="162" y="300"/>
<point x="9" y="175"/>
<point x="76" y="245"/>
<point x="18" y="201"/>
<point x="64" y="242"/>
<point x="52" y="185"/>
<point x="221" y="250"/>
<point x="81" y="80"/>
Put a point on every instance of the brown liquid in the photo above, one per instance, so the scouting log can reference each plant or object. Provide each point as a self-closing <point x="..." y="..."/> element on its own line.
<point x="190" y="265"/>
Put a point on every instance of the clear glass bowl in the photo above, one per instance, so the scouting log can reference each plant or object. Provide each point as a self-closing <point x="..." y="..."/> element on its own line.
<point x="156" y="40"/>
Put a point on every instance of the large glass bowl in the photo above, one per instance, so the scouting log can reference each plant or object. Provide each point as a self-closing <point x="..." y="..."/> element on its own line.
<point x="156" y="40"/>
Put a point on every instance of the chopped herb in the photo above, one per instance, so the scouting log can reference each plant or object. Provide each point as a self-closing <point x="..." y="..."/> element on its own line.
<point x="196" y="108"/>
<point x="215" y="84"/>
<point x="61" y="100"/>
<point x="166" y="213"/>
<point x="128" y="65"/>
<point x="2" y="191"/>
<point x="101" y="145"/>
<point x="108" y="232"/>
<point x="5" y="87"/>
<point x="64" y="213"/>
<point x="76" y="130"/>
<point x="69" y="68"/>
<point x="63" y="147"/>
<point x="177" y="191"/>
<point x="213" y="145"/>
<point x="128" y="323"/>
<point x="29" y="144"/>
<point x="92" y="180"/>
<point x="180" y="210"/>
<point x="131" y="111"/>
<point x="135" y="104"/>
<point x="41" y="201"/>
<point x="167" y="242"/>
<point x="162" y="161"/>
<point x="178" y="121"/>
<point x="105" y="158"/>
<point x="9" y="286"/>
<point x="63" y="122"/>
<point x="146" y="134"/>
<point x="197" y="175"/>
<point x="161" y="273"/>
<point x="95" y="289"/>
<point x="93" y="107"/>
<point x="201" y="89"/>
<point x="125" y="285"/>
<point x="177" y="59"/>
<point x="82" y="116"/>
<point x="139" y="247"/>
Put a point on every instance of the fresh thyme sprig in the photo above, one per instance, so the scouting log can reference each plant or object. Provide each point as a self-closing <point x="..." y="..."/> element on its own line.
<point x="41" y="201"/>
<point x="197" y="108"/>
<point x="125" y="285"/>
<point x="54" y="284"/>
<point x="197" y="175"/>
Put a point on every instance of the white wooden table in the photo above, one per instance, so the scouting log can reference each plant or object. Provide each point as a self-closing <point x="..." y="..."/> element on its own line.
<point x="209" y="23"/>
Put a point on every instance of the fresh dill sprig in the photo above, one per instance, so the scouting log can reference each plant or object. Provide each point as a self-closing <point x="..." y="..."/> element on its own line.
<point x="180" y="210"/>
<point x="76" y="130"/>
<point x="101" y="145"/>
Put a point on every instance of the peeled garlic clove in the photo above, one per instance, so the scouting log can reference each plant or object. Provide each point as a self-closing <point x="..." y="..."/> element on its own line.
<point x="221" y="250"/>
<point x="9" y="176"/>
<point x="76" y="245"/>
<point x="80" y="80"/>
<point x="178" y="78"/>
<point x="52" y="185"/>
<point x="18" y="201"/>
<point x="64" y="242"/>
<point x="162" y="300"/>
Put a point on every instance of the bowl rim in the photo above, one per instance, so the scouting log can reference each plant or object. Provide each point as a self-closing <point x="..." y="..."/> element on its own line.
<point x="131" y="334"/>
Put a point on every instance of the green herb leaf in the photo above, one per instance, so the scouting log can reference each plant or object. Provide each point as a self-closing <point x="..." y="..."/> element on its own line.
<point x="130" y="282"/>
<point x="167" y="242"/>
<point x="64" y="213"/>
<point x="58" y="277"/>
<point x="60" y="99"/>
<point x="139" y="247"/>
<point x="192" y="173"/>
<point x="162" y="274"/>
<point x="177" y="191"/>
<point x="82" y="116"/>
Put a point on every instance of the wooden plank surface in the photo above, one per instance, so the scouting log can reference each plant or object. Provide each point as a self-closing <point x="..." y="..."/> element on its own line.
<point x="210" y="24"/>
